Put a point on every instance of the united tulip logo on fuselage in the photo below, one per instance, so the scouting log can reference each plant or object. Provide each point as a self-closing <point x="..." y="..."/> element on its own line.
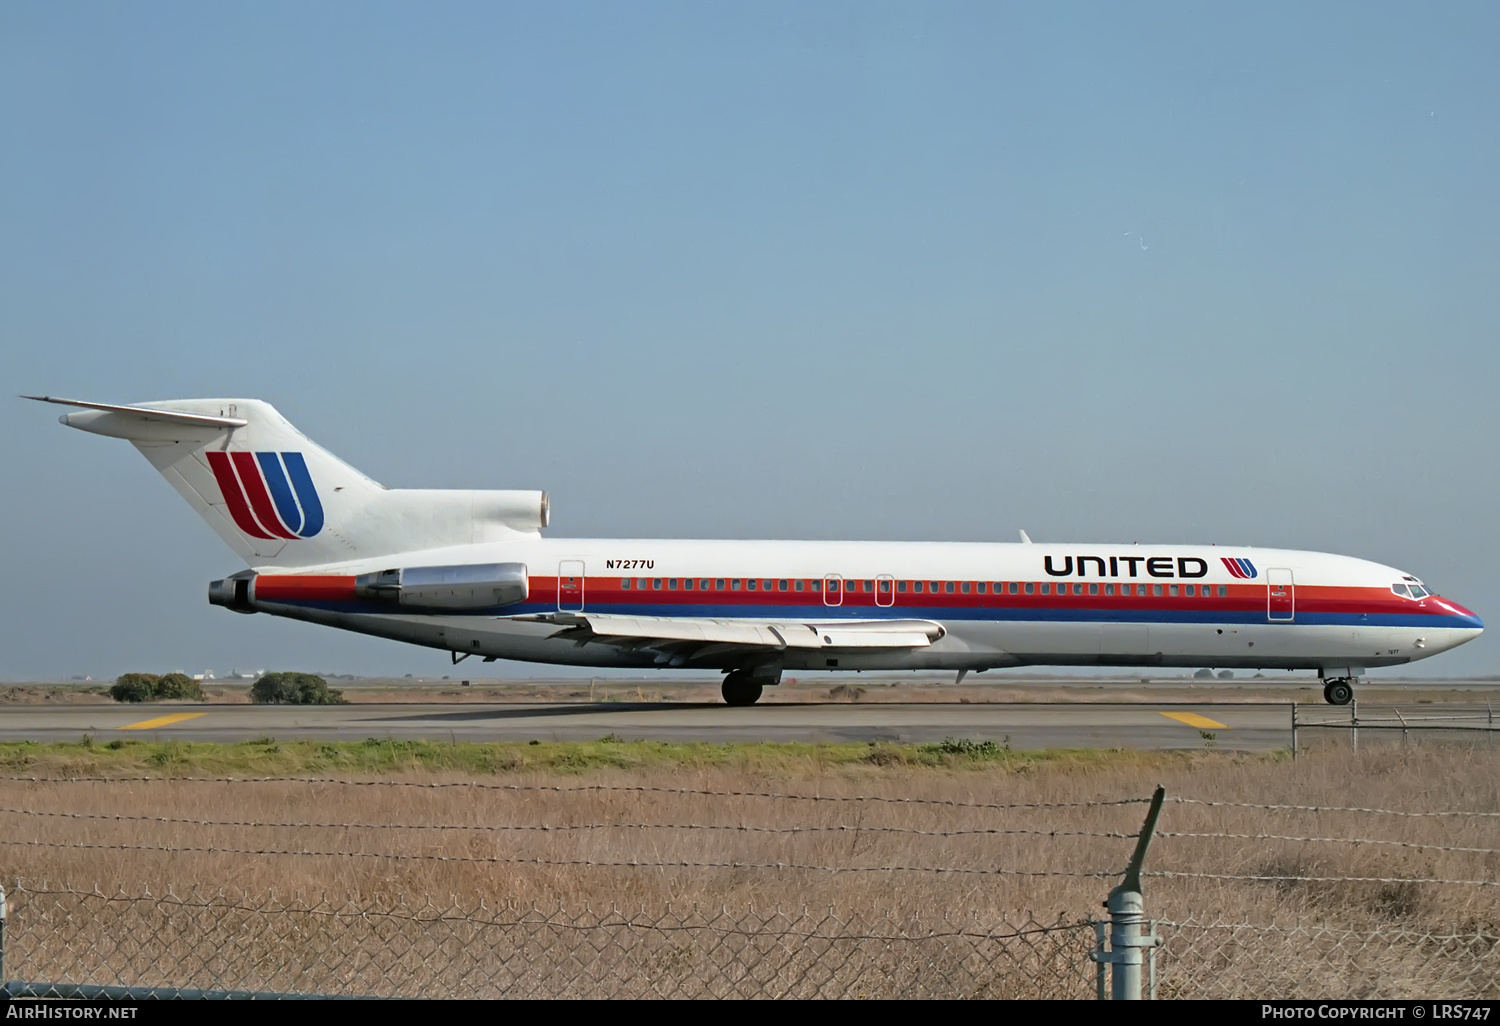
<point x="269" y="494"/>
<point x="1131" y="566"/>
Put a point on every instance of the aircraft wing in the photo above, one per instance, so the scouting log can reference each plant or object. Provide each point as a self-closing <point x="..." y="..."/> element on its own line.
<point x="677" y="632"/>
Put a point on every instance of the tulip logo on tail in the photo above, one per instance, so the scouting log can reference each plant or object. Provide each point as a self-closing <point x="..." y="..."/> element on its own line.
<point x="1241" y="568"/>
<point x="269" y="494"/>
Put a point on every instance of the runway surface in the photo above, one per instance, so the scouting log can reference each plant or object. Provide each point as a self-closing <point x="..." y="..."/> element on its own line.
<point x="1244" y="726"/>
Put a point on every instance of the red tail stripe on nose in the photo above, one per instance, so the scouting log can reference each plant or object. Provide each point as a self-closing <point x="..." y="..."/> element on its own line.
<point x="234" y="496"/>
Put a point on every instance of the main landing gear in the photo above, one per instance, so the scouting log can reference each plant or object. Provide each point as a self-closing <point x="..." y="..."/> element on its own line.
<point x="742" y="687"/>
<point x="1338" y="690"/>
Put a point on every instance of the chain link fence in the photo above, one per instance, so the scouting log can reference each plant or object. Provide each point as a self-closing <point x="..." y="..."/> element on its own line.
<point x="1310" y="901"/>
<point x="261" y="945"/>
<point x="1211" y="959"/>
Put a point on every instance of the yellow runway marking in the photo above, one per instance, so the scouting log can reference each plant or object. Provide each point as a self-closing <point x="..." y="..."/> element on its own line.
<point x="1194" y="720"/>
<point x="161" y="721"/>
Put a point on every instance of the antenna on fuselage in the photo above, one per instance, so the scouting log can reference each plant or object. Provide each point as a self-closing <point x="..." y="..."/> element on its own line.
<point x="1025" y="538"/>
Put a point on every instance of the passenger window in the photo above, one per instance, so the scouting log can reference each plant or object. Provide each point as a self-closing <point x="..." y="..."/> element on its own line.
<point x="781" y="586"/>
<point x="916" y="586"/>
<point x="1077" y="589"/>
<point x="656" y="584"/>
<point x="1109" y="589"/>
<point x="705" y="585"/>
<point x="1223" y="590"/>
<point x="964" y="587"/>
<point x="948" y="587"/>
<point x="687" y="585"/>
<point x="641" y="583"/>
<point x="751" y="585"/>
<point x="885" y="587"/>
<point x="1189" y="590"/>
<point x="1156" y="589"/>
<point x="671" y="584"/>
<point x="625" y="583"/>
<point x="1093" y="589"/>
<point x="801" y="585"/>
<point x="901" y="586"/>
<point x="1015" y="586"/>
<point x="734" y="584"/>
<point x="1030" y="588"/>
<point x="1047" y="588"/>
<point x="1171" y="589"/>
<point x="981" y="586"/>
<point x="869" y="586"/>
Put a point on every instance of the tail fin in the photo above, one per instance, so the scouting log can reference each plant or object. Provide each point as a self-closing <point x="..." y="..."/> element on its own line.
<point x="279" y="499"/>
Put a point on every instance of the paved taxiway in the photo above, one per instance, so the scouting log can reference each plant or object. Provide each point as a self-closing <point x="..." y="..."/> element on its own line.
<point x="1247" y="726"/>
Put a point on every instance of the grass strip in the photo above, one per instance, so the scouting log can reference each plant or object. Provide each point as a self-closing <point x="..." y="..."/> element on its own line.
<point x="269" y="757"/>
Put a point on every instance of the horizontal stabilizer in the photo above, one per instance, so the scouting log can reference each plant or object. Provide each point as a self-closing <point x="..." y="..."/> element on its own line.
<point x="146" y="413"/>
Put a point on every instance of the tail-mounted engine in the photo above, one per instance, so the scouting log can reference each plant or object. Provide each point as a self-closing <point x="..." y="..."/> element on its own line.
<point x="467" y="586"/>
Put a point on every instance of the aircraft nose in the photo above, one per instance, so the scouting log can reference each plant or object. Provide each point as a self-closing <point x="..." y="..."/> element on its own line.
<point x="1463" y="618"/>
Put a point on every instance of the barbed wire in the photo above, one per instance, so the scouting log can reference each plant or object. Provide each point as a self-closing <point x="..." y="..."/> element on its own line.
<point x="1290" y="878"/>
<point x="1326" y="808"/>
<point x="1322" y="840"/>
<point x="560" y="828"/>
<point x="560" y="788"/>
<point x="516" y="860"/>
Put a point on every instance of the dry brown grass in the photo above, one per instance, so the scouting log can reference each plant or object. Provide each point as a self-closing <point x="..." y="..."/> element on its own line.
<point x="849" y="835"/>
<point x="864" y="840"/>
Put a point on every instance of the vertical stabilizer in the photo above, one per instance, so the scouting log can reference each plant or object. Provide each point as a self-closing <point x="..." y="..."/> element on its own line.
<point x="279" y="499"/>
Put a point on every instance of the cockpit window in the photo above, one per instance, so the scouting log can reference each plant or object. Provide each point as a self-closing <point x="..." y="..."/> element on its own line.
<point x="1417" y="591"/>
<point x="1400" y="589"/>
<point x="1412" y="590"/>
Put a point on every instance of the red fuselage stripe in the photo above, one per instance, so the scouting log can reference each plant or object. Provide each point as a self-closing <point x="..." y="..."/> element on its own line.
<point x="607" y="591"/>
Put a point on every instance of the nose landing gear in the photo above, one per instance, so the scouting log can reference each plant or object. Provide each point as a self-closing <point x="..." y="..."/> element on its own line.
<point x="1338" y="690"/>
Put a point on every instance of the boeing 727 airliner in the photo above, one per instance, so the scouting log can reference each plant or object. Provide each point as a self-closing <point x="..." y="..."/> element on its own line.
<point x="469" y="572"/>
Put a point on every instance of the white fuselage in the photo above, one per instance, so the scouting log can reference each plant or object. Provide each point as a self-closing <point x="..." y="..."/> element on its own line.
<point x="997" y="604"/>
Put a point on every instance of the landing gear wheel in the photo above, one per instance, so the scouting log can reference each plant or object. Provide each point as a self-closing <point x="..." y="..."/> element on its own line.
<point x="1338" y="692"/>
<point x="740" y="689"/>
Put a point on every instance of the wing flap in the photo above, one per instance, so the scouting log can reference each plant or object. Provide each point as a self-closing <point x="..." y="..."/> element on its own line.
<point x="751" y="633"/>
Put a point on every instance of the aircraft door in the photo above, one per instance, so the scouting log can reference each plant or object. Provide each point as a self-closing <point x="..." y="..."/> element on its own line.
<point x="570" y="586"/>
<point x="1281" y="596"/>
<point x="885" y="590"/>
<point x="833" y="590"/>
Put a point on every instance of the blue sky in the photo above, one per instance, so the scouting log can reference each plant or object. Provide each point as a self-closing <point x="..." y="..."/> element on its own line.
<point x="1106" y="272"/>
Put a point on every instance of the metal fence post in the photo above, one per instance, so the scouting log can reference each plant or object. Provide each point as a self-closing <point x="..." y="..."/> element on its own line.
<point x="3" y="911"/>
<point x="1354" y="724"/>
<point x="1294" y="730"/>
<point x="1127" y="912"/>
<point x="1100" y="983"/>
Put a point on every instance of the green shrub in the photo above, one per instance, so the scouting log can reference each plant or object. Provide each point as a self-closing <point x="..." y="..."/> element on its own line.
<point x="134" y="687"/>
<point x="294" y="689"/>
<point x="962" y="746"/>
<point x="149" y="687"/>
<point x="180" y="686"/>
